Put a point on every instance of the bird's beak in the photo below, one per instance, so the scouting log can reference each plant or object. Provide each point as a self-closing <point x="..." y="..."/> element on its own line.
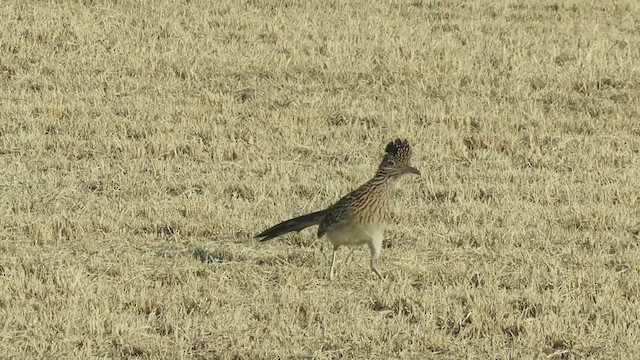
<point x="411" y="170"/>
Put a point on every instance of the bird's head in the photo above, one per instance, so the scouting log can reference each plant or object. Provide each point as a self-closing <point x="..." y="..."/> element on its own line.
<point x="397" y="158"/>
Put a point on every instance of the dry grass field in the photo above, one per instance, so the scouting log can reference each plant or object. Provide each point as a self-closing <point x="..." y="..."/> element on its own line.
<point x="144" y="143"/>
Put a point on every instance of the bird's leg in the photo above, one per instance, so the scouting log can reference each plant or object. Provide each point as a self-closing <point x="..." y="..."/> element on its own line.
<point x="333" y="262"/>
<point x="375" y="246"/>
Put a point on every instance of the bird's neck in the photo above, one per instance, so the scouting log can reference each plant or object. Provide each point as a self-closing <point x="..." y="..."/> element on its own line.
<point x="381" y="180"/>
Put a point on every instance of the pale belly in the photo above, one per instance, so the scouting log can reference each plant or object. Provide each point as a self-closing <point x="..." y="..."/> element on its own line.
<point x="355" y="235"/>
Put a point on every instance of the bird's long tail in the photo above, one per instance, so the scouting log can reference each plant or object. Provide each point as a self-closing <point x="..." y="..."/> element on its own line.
<point x="295" y="224"/>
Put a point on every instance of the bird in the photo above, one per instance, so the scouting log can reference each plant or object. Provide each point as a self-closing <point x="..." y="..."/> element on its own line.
<point x="359" y="217"/>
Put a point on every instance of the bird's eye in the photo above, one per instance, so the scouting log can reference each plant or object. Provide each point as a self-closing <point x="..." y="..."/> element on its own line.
<point x="392" y="162"/>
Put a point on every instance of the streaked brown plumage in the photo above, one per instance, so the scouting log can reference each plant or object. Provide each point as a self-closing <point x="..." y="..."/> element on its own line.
<point x="359" y="217"/>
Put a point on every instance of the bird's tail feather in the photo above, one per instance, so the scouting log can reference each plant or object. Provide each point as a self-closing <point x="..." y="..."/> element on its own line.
<point x="295" y="224"/>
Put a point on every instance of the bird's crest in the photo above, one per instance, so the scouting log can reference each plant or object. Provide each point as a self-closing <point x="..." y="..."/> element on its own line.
<point x="400" y="149"/>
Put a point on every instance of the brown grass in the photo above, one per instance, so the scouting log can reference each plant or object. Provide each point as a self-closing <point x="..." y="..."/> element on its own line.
<point x="143" y="143"/>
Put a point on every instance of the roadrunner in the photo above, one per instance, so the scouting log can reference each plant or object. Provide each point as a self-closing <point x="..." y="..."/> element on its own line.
<point x="359" y="217"/>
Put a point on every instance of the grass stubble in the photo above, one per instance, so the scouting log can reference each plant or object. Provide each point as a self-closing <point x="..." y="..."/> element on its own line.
<point x="142" y="144"/>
